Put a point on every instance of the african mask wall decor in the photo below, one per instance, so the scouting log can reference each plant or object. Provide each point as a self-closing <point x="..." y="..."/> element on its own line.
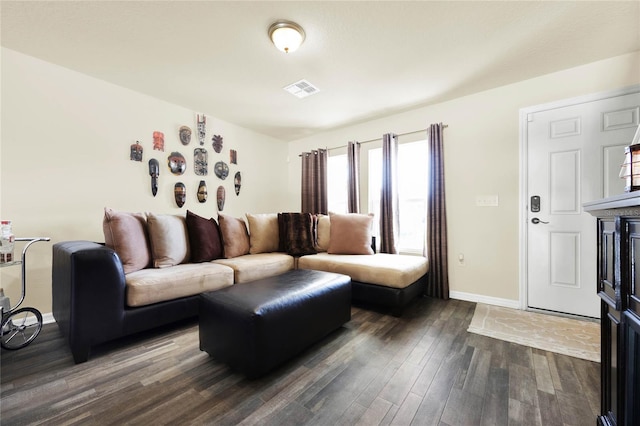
<point x="233" y="156"/>
<point x="217" y="143"/>
<point x="200" y="161"/>
<point x="185" y="135"/>
<point x="202" y="131"/>
<point x="202" y="191"/>
<point x="221" y="170"/>
<point x="136" y="152"/>
<point x="237" y="182"/>
<point x="180" y="193"/>
<point x="220" y="196"/>
<point x="158" y="141"/>
<point x="154" y="172"/>
<point x="177" y="163"/>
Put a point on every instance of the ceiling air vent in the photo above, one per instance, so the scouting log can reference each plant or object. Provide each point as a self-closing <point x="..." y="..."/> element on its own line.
<point x="302" y="89"/>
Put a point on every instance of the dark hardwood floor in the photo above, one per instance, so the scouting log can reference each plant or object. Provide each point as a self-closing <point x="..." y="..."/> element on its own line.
<point x="420" y="369"/>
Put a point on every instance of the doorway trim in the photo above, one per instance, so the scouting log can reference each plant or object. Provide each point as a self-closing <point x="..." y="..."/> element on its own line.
<point x="524" y="190"/>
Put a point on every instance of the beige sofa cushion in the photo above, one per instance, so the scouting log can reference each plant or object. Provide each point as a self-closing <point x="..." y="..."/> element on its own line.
<point x="323" y="233"/>
<point x="235" y="237"/>
<point x="126" y="233"/>
<point x="255" y="266"/>
<point x="157" y="285"/>
<point x="389" y="270"/>
<point x="263" y="233"/>
<point x="350" y="233"/>
<point x="169" y="239"/>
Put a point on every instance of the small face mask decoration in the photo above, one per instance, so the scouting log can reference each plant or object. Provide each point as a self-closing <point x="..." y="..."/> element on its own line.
<point x="177" y="163"/>
<point x="154" y="172"/>
<point x="237" y="182"/>
<point x="202" y="192"/>
<point x="185" y="135"/>
<point x="221" y="170"/>
<point x="158" y="141"/>
<point x="180" y="193"/>
<point x="136" y="152"/>
<point x="220" y="197"/>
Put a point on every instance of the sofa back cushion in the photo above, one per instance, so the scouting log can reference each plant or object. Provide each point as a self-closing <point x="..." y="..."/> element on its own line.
<point x="350" y="233"/>
<point x="205" y="242"/>
<point x="235" y="238"/>
<point x="323" y="236"/>
<point x="126" y="233"/>
<point x="169" y="239"/>
<point x="263" y="233"/>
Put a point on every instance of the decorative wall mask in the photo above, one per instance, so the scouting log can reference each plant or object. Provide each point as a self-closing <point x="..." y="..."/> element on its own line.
<point x="158" y="141"/>
<point x="217" y="143"/>
<point x="202" y="128"/>
<point x="185" y="135"/>
<point x="154" y="172"/>
<point x="237" y="182"/>
<point x="233" y="156"/>
<point x="221" y="170"/>
<point x="180" y="193"/>
<point x="177" y="163"/>
<point x="220" y="196"/>
<point x="202" y="191"/>
<point x="136" y="152"/>
<point x="200" y="161"/>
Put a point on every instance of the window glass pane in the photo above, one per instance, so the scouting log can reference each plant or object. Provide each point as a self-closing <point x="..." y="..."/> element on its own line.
<point x="337" y="178"/>
<point x="412" y="193"/>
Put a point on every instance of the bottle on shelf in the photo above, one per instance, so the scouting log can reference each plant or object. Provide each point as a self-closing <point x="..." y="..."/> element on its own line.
<point x="7" y="242"/>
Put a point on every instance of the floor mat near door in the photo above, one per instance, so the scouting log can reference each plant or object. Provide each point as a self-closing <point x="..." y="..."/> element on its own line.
<point x="573" y="337"/>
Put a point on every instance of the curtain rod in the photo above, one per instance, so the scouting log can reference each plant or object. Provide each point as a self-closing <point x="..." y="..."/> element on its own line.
<point x="379" y="139"/>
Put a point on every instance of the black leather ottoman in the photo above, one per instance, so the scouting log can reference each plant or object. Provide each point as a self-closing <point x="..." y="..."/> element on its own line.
<point x="255" y="326"/>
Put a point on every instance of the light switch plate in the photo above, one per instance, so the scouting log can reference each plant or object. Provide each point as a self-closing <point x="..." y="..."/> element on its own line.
<point x="487" y="200"/>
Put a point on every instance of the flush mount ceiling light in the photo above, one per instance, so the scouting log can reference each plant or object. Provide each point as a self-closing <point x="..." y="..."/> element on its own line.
<point x="286" y="35"/>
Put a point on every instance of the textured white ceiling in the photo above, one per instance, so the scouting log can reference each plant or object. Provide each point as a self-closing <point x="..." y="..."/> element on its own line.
<point x="368" y="59"/>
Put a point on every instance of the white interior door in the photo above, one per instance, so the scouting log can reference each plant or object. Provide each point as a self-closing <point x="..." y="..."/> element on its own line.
<point x="574" y="155"/>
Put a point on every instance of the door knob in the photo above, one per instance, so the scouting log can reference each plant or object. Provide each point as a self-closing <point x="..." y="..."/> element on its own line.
<point x="536" y="221"/>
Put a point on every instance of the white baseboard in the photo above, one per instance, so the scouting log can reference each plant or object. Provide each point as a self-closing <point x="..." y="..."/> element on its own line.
<point x="487" y="300"/>
<point x="48" y="318"/>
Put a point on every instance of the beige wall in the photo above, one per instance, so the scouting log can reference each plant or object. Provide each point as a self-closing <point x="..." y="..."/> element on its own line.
<point x="65" y="156"/>
<point x="482" y="158"/>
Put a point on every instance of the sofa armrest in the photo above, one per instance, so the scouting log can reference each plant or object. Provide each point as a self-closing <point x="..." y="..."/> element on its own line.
<point x="88" y="294"/>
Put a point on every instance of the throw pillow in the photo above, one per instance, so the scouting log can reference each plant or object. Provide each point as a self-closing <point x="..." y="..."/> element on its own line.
<point x="324" y="232"/>
<point x="350" y="233"/>
<point x="169" y="239"/>
<point x="263" y="233"/>
<point x="126" y="233"/>
<point x="235" y="238"/>
<point x="297" y="231"/>
<point x="204" y="238"/>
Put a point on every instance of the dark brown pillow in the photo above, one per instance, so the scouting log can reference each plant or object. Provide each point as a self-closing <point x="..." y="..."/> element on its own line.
<point x="204" y="238"/>
<point x="297" y="231"/>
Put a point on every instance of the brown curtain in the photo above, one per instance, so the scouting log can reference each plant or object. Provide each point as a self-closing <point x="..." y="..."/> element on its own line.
<point x="438" y="276"/>
<point x="389" y="195"/>
<point x="314" y="182"/>
<point x="353" y="186"/>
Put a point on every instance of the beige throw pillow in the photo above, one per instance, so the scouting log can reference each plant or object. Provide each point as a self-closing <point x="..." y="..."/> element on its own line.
<point x="350" y="233"/>
<point x="126" y="234"/>
<point x="323" y="232"/>
<point x="169" y="239"/>
<point x="235" y="237"/>
<point x="263" y="233"/>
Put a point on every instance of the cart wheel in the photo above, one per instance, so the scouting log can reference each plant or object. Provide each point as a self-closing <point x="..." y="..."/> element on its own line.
<point x="20" y="328"/>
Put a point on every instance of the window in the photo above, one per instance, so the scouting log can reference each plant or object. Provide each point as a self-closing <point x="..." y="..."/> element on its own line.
<point x="412" y="193"/>
<point x="337" y="178"/>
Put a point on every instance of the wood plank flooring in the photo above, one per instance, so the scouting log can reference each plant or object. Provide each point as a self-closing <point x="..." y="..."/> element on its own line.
<point x="420" y="369"/>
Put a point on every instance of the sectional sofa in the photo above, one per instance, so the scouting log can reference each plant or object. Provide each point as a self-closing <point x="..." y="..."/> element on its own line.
<point x="152" y="267"/>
